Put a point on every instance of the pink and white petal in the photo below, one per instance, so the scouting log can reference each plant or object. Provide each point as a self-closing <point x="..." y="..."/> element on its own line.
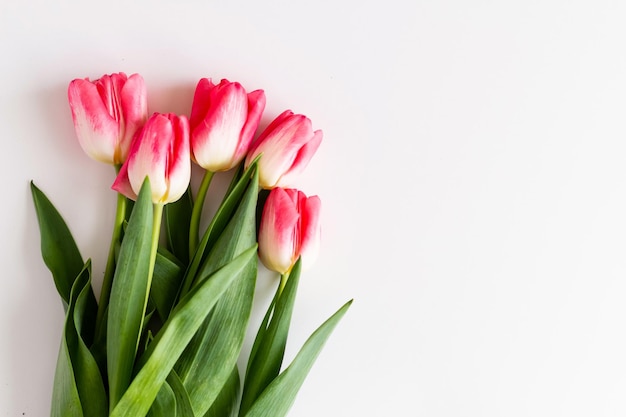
<point x="224" y="124"/>
<point x="201" y="102"/>
<point x="179" y="164"/>
<point x="276" y="234"/>
<point x="96" y="130"/>
<point x="134" y="103"/>
<point x="302" y="159"/>
<point x="122" y="184"/>
<point x="279" y="152"/>
<point x="310" y="230"/>
<point x="269" y="130"/>
<point x="256" y="106"/>
<point x="148" y="156"/>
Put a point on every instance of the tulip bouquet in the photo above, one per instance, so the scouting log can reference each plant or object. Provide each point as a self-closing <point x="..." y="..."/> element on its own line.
<point x="165" y="336"/>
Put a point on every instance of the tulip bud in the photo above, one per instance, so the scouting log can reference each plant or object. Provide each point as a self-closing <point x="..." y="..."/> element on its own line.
<point x="223" y="122"/>
<point x="107" y="113"/>
<point x="287" y="145"/>
<point x="160" y="151"/>
<point x="290" y="228"/>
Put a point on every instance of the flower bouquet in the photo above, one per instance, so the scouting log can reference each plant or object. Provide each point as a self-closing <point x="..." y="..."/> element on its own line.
<point x="166" y="334"/>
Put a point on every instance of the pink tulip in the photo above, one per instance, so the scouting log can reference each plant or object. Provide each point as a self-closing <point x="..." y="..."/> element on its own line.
<point x="223" y="122"/>
<point x="287" y="145"/>
<point x="290" y="228"/>
<point x="160" y="151"/>
<point x="107" y="112"/>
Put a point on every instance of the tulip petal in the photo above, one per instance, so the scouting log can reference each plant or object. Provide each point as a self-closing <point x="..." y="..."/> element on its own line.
<point x="122" y="184"/>
<point x="201" y="102"/>
<point x="148" y="156"/>
<point x="216" y="139"/>
<point x="280" y="148"/>
<point x="310" y="230"/>
<point x="278" y="227"/>
<point x="96" y="130"/>
<point x="301" y="160"/>
<point x="287" y="145"/>
<point x="179" y="165"/>
<point x="107" y="113"/>
<point x="134" y="101"/>
<point x="256" y="106"/>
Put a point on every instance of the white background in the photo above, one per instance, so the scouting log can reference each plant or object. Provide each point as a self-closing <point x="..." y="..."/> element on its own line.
<point x="472" y="175"/>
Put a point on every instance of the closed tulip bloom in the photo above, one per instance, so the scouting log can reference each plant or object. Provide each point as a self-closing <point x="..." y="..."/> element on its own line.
<point x="223" y="121"/>
<point x="287" y="146"/>
<point x="107" y="113"/>
<point x="160" y="151"/>
<point x="290" y="228"/>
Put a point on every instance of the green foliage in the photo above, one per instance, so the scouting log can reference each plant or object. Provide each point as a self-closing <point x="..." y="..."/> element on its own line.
<point x="213" y="352"/>
<point x="170" y="336"/>
<point x="128" y="296"/>
<point x="58" y="249"/>
<point x="278" y="397"/>
<point x="156" y="363"/>
<point x="177" y="217"/>
<point x="78" y="386"/>
<point x="268" y="349"/>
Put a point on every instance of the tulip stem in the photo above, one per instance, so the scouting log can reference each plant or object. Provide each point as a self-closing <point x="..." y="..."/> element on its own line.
<point x="196" y="213"/>
<point x="107" y="281"/>
<point x="283" y="280"/>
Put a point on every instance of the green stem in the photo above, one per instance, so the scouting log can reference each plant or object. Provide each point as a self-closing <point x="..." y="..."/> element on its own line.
<point x="196" y="213"/>
<point x="107" y="282"/>
<point x="283" y="280"/>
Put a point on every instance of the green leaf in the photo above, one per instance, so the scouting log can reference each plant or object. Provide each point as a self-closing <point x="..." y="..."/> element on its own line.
<point x="58" y="249"/>
<point x="183" y="404"/>
<point x="128" y="296"/>
<point x="217" y="225"/>
<point x="164" y="404"/>
<point x="227" y="402"/>
<point x="208" y="360"/>
<point x="160" y="357"/>
<point x="65" y="399"/>
<point x="261" y="332"/>
<point x="166" y="280"/>
<point x="278" y="397"/>
<point x="177" y="218"/>
<point x="268" y="350"/>
<point x="78" y="385"/>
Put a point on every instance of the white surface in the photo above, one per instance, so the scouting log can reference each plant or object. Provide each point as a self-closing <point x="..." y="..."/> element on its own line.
<point x="472" y="176"/>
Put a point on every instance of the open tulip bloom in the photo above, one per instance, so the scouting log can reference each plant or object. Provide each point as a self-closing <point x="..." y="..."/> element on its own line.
<point x="165" y="337"/>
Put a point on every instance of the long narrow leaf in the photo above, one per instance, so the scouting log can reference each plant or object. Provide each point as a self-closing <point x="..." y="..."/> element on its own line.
<point x="217" y="225"/>
<point x="128" y="296"/>
<point x="58" y="248"/>
<point x="78" y="385"/>
<point x="183" y="404"/>
<point x="279" y="396"/>
<point x="267" y="355"/>
<point x="159" y="359"/>
<point x="227" y="402"/>
<point x="65" y="399"/>
<point x="164" y="404"/>
<point x="177" y="218"/>
<point x="206" y="365"/>
<point x="260" y="335"/>
<point x="168" y="274"/>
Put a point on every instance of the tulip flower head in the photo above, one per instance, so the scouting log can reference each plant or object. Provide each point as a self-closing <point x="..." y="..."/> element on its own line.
<point x="223" y="121"/>
<point x="107" y="113"/>
<point x="287" y="146"/>
<point x="290" y="228"/>
<point x="160" y="151"/>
